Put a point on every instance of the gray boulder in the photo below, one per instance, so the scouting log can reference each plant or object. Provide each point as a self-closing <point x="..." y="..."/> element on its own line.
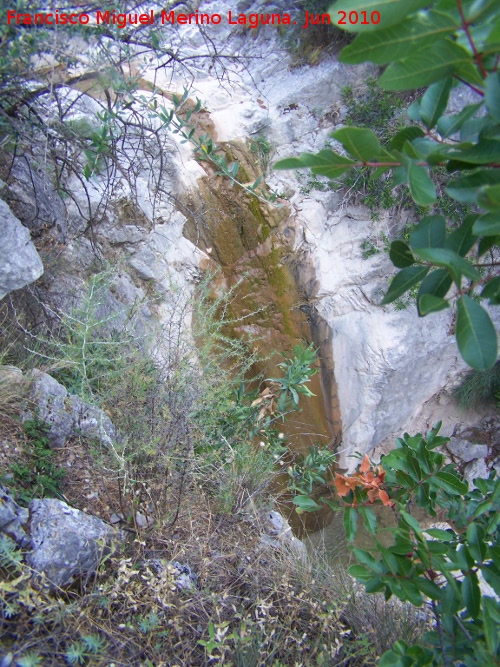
<point x="466" y="451"/>
<point x="67" y="414"/>
<point x="20" y="264"/>
<point x="276" y="532"/>
<point x="13" y="518"/>
<point x="66" y="543"/>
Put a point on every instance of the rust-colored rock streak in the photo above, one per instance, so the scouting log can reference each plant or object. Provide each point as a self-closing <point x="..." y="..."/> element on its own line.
<point x="252" y="243"/>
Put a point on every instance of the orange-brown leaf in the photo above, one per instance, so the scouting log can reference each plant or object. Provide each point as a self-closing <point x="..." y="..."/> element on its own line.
<point x="344" y="484"/>
<point x="385" y="498"/>
<point x="365" y="466"/>
<point x="369" y="478"/>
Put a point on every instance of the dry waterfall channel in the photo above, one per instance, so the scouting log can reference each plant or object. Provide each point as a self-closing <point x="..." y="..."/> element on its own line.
<point x="301" y="260"/>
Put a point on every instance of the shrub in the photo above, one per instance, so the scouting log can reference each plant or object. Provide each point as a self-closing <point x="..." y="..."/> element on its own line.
<point x="38" y="475"/>
<point x="478" y="387"/>
<point x="440" y="568"/>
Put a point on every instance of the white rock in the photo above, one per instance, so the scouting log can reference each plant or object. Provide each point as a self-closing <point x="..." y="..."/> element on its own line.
<point x="20" y="263"/>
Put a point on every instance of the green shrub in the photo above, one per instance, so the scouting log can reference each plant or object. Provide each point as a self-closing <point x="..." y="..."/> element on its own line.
<point x="38" y="475"/>
<point x="478" y="387"/>
<point x="439" y="568"/>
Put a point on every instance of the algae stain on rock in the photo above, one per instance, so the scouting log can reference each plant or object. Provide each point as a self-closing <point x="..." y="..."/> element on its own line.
<point x="252" y="244"/>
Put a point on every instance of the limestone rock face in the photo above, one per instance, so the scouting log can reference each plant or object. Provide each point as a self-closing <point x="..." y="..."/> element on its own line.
<point x="67" y="414"/>
<point x="66" y="543"/>
<point x="388" y="363"/>
<point x="20" y="263"/>
<point x="34" y="200"/>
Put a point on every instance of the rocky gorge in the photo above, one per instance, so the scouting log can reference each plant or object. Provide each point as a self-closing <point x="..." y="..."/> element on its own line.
<point x="156" y="216"/>
<point x="383" y="370"/>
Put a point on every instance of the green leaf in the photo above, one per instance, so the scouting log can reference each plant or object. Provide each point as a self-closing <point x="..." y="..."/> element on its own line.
<point x="369" y="518"/>
<point x="403" y="281"/>
<point x="493" y="41"/>
<point x="410" y="150"/>
<point x="434" y="102"/>
<point x="489" y="198"/>
<point x="491" y="624"/>
<point x="424" y="67"/>
<point x="395" y="43"/>
<point x="437" y="548"/>
<point x="428" y="303"/>
<point x="326" y="163"/>
<point x="391" y="659"/>
<point x="400" y="255"/>
<point x="360" y="572"/>
<point x="289" y="163"/>
<point x="490" y="573"/>
<point x="375" y="586"/>
<point x="413" y="111"/>
<point x="457" y="266"/>
<point x="486" y="152"/>
<point x="472" y="129"/>
<point x="421" y="185"/>
<point x="449" y="482"/>
<point x="404" y="135"/>
<point x="437" y="283"/>
<point x="367" y="559"/>
<point x="429" y="588"/>
<point x="429" y="233"/>
<point x="391" y="12"/>
<point x="491" y="291"/>
<point x="477" y="545"/>
<point x="487" y="225"/>
<point x="442" y="535"/>
<point x="410" y="592"/>
<point x="411" y="522"/>
<point x="350" y="523"/>
<point x="462" y="239"/>
<point x="492" y="95"/>
<point x="476" y="335"/>
<point x="361" y="143"/>
<point x="428" y="150"/>
<point x="466" y="188"/>
<point x="486" y="243"/>
<point x="305" y="504"/>
<point x="449" y="125"/>
<point x="472" y="594"/>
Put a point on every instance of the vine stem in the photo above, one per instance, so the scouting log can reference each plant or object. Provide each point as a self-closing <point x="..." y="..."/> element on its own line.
<point x="470" y="85"/>
<point x="465" y="25"/>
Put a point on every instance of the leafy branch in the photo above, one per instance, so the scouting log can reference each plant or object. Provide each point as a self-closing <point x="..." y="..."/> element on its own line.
<point x="204" y="147"/>
<point x="435" y="45"/>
